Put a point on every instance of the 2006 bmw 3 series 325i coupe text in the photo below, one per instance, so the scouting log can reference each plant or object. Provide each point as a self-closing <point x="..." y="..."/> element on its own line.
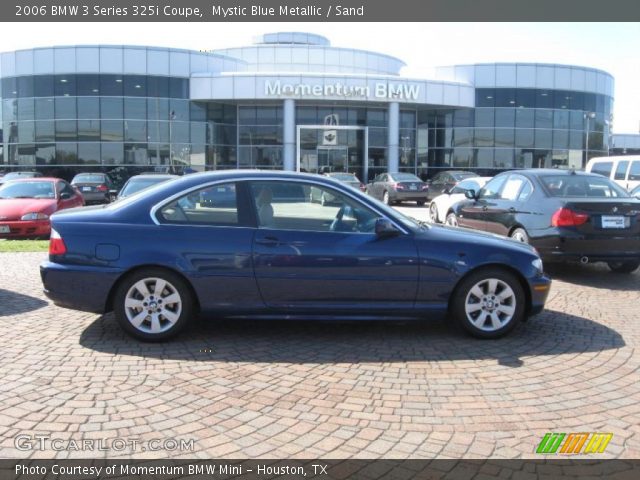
<point x="252" y="244"/>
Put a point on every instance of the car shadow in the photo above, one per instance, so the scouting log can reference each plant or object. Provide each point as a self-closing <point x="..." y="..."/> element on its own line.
<point x="12" y="303"/>
<point x="596" y="275"/>
<point x="279" y="341"/>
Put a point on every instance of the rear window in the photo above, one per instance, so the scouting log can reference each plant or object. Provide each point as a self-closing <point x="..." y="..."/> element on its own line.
<point x="405" y="177"/>
<point x="634" y="172"/>
<point x="582" y="186"/>
<point x="602" y="168"/>
<point x="89" y="178"/>
<point x="344" y="176"/>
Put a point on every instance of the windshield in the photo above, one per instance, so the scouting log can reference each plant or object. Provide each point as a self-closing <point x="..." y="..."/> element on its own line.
<point x="88" y="179"/>
<point x="134" y="186"/>
<point x="589" y="186"/>
<point x="405" y="177"/>
<point x="27" y="190"/>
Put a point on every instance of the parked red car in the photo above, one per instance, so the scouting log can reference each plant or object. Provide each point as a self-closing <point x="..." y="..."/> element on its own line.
<point x="27" y="204"/>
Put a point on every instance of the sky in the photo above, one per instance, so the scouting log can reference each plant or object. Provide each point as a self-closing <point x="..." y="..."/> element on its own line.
<point x="613" y="47"/>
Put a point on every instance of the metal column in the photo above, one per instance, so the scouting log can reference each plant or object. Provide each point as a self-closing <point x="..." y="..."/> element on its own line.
<point x="289" y="134"/>
<point x="393" y="134"/>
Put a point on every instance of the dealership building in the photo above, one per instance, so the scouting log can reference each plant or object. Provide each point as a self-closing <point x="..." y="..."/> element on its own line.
<point x="291" y="101"/>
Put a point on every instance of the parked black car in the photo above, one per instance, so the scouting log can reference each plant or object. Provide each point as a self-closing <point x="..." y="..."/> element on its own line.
<point x="565" y="215"/>
<point x="398" y="187"/>
<point x="94" y="187"/>
<point x="445" y="181"/>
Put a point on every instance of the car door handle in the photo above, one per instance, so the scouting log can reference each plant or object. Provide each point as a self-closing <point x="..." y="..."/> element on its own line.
<point x="268" y="241"/>
<point x="512" y="210"/>
<point x="485" y="208"/>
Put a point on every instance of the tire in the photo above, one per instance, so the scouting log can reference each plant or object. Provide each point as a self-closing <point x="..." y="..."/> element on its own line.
<point x="628" y="266"/>
<point x="386" y="199"/>
<point x="168" y="319"/>
<point x="488" y="303"/>
<point x="451" y="219"/>
<point x="520" y="234"/>
<point x="433" y="212"/>
<point x="420" y="203"/>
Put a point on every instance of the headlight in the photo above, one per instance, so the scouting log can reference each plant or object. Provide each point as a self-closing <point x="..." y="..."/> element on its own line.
<point x="537" y="263"/>
<point x="35" y="216"/>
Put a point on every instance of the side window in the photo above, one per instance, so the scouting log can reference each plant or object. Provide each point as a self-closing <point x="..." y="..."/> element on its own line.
<point x="621" y="171"/>
<point x="438" y="179"/>
<point x="525" y="193"/>
<point x="464" y="186"/>
<point x="384" y="178"/>
<point x="634" y="172"/>
<point x="603" y="168"/>
<point x="512" y="187"/>
<point x="213" y="205"/>
<point x="309" y="207"/>
<point x="492" y="188"/>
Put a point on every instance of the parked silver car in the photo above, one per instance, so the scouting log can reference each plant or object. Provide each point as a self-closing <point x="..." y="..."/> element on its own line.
<point x="398" y="187"/>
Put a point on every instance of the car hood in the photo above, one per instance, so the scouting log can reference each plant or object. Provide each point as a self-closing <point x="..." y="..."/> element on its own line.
<point x="475" y="238"/>
<point x="14" y="208"/>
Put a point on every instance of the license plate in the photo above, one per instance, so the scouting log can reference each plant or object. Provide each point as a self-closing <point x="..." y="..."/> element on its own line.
<point x="86" y="189"/>
<point x="5" y="229"/>
<point x="413" y="187"/>
<point x="610" y="221"/>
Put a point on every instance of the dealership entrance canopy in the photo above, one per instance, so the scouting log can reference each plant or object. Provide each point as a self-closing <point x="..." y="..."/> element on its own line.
<point x="291" y="101"/>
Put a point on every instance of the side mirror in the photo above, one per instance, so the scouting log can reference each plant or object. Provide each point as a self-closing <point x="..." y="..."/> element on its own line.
<point x="384" y="228"/>
<point x="65" y="196"/>
<point x="470" y="194"/>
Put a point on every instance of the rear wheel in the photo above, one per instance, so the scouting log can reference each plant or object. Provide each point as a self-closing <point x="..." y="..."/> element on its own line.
<point x="433" y="212"/>
<point x="451" y="220"/>
<point x="624" y="267"/>
<point x="488" y="303"/>
<point x="420" y="203"/>
<point x="520" y="234"/>
<point x="386" y="199"/>
<point x="153" y="305"/>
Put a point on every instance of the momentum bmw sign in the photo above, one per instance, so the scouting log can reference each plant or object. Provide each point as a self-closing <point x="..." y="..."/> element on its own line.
<point x="377" y="90"/>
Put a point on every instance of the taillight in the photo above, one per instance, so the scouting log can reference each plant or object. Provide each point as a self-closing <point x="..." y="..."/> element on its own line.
<point x="565" y="217"/>
<point x="425" y="187"/>
<point x="102" y="188"/>
<point x="398" y="186"/>
<point x="56" y="244"/>
<point x="363" y="187"/>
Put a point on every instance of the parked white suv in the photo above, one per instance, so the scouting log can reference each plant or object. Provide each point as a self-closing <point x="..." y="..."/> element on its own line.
<point x="624" y="170"/>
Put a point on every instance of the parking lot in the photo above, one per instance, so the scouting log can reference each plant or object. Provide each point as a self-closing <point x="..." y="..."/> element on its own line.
<point x="334" y="390"/>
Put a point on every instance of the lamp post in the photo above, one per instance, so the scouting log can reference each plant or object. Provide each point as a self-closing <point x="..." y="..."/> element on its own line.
<point x="587" y="116"/>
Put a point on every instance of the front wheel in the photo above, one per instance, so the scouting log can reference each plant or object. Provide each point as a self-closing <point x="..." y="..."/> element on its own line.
<point x="451" y="220"/>
<point x="488" y="303"/>
<point x="153" y="305"/>
<point x="624" y="267"/>
<point x="420" y="203"/>
<point x="433" y="212"/>
<point x="520" y="234"/>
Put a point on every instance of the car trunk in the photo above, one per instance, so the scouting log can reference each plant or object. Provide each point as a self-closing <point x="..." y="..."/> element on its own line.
<point x="91" y="187"/>
<point x="409" y="186"/>
<point x="607" y="217"/>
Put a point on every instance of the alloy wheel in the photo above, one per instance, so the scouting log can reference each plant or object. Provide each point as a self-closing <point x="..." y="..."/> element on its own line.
<point x="490" y="304"/>
<point x="152" y="305"/>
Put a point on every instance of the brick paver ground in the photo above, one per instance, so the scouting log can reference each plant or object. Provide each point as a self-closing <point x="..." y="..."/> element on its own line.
<point x="283" y="389"/>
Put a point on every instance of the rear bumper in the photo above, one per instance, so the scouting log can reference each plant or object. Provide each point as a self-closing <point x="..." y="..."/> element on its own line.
<point x="572" y="247"/>
<point x="25" y="229"/>
<point x="96" y="197"/>
<point x="408" y="196"/>
<point x="79" y="288"/>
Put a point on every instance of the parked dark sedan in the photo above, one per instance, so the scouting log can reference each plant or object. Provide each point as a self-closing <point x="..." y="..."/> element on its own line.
<point x="445" y="181"/>
<point x="155" y="260"/>
<point x="94" y="187"/>
<point x="398" y="187"/>
<point x="565" y="215"/>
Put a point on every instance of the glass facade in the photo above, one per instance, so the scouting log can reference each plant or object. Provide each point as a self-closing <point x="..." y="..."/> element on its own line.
<point x="123" y="123"/>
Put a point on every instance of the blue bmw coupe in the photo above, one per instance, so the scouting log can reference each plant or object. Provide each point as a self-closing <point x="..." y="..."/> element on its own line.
<point x="254" y="244"/>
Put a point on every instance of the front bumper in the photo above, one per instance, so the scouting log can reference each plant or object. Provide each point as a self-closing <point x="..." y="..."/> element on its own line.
<point x="78" y="287"/>
<point x="539" y="289"/>
<point x="25" y="228"/>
